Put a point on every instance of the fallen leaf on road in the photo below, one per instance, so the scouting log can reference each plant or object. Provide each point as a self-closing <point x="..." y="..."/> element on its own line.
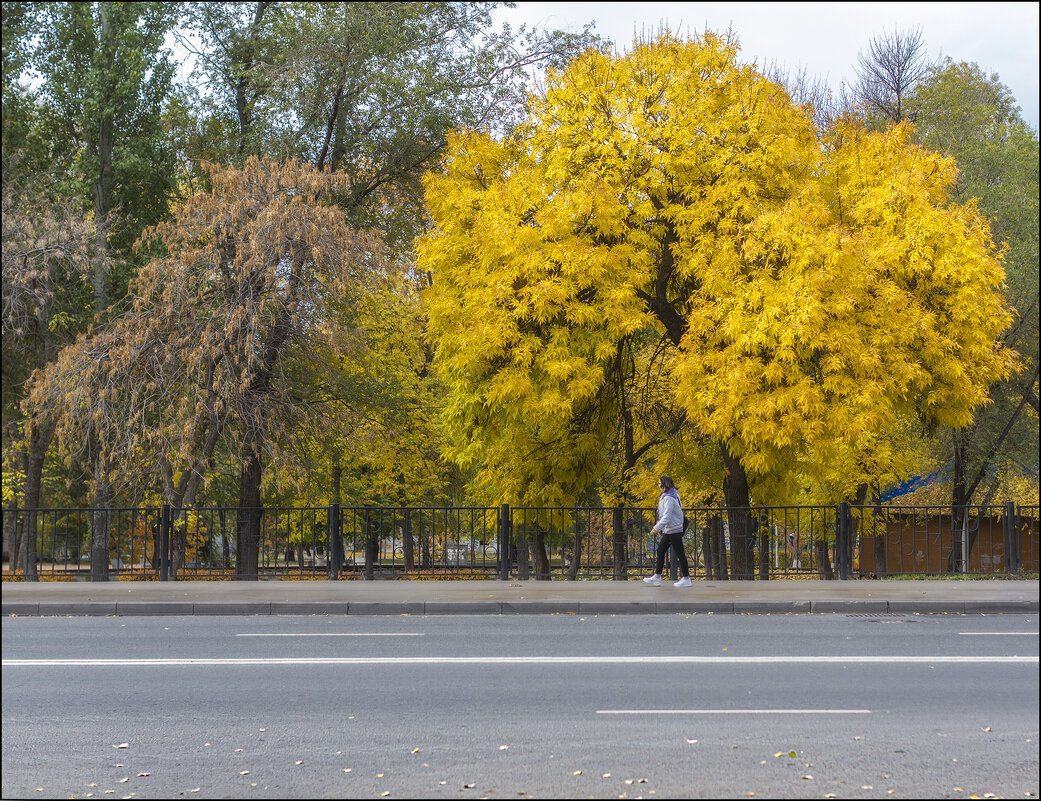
<point x="144" y="774"/>
<point x="792" y="754"/>
<point x="243" y="773"/>
<point x="124" y="780"/>
<point x="807" y="776"/>
<point x="503" y="747"/>
<point x="779" y="753"/>
<point x="263" y="729"/>
<point x="195" y="790"/>
<point x="468" y="786"/>
<point x="300" y="762"/>
<point x="690" y="741"/>
<point x="415" y="750"/>
<point x="986" y="729"/>
<point x="607" y="775"/>
<point x="385" y="792"/>
<point x="238" y="750"/>
<point x="122" y="745"/>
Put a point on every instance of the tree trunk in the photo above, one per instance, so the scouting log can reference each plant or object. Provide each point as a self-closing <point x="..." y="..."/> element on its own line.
<point x="763" y="537"/>
<point x="820" y="552"/>
<point x="99" y="543"/>
<point x="853" y="524"/>
<point x="244" y="66"/>
<point x="39" y="440"/>
<point x="408" y="545"/>
<point x="371" y="548"/>
<point x="959" y="500"/>
<point x="521" y="559"/>
<point x="735" y="490"/>
<point x="247" y="530"/>
<point x="576" y="552"/>
<point x="103" y="182"/>
<point x="880" y="559"/>
<point x="541" y="557"/>
<point x="620" y="545"/>
<point x="719" y="549"/>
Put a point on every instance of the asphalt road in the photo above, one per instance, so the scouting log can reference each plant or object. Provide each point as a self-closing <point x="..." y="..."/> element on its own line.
<point x="872" y="706"/>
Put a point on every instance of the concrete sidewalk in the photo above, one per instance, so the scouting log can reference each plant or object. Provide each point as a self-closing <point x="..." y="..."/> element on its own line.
<point x="516" y="597"/>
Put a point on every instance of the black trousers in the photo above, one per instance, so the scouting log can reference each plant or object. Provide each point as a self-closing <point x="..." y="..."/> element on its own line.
<point x="674" y="541"/>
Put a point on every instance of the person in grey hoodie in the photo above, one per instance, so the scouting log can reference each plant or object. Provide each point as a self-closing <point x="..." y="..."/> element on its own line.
<point x="670" y="524"/>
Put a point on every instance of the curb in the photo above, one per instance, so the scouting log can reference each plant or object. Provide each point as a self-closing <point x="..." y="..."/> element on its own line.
<point x="739" y="607"/>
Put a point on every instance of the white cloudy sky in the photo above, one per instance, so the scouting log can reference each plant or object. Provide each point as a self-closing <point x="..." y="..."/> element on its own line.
<point x="826" y="37"/>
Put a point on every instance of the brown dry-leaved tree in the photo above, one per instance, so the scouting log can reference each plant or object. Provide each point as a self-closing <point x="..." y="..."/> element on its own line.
<point x="254" y="283"/>
<point x="48" y="257"/>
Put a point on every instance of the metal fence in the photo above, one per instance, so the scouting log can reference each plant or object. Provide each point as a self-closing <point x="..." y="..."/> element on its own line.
<point x="334" y="542"/>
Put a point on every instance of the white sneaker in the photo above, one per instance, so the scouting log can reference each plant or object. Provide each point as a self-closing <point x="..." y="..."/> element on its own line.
<point x="654" y="581"/>
<point x="683" y="582"/>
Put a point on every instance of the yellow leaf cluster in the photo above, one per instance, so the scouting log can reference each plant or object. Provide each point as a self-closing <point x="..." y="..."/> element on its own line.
<point x="825" y="284"/>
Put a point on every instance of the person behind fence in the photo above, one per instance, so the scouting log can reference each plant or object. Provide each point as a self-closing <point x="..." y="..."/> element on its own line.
<point x="670" y="525"/>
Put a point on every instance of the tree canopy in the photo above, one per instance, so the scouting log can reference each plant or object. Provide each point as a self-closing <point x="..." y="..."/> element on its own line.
<point x="812" y="285"/>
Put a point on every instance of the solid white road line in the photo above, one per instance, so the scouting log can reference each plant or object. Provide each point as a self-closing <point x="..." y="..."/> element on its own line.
<point x="521" y="660"/>
<point x="998" y="633"/>
<point x="336" y="634"/>
<point x="733" y="711"/>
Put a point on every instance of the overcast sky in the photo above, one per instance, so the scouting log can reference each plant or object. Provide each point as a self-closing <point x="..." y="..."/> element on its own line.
<point x="826" y="37"/>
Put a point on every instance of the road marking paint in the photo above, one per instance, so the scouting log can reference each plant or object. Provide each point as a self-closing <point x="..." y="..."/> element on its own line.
<point x="998" y="633"/>
<point x="337" y="634"/>
<point x="733" y="711"/>
<point x="520" y="660"/>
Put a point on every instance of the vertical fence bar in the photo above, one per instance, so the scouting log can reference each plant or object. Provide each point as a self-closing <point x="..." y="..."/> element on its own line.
<point x="504" y="542"/>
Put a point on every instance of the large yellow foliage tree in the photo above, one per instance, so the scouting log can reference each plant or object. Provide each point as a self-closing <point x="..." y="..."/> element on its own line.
<point x="814" y="286"/>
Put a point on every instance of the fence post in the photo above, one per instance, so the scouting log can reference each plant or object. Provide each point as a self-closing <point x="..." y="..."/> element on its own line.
<point x="1010" y="537"/>
<point x="164" y="542"/>
<point x="504" y="542"/>
<point x="842" y="541"/>
<point x="335" y="545"/>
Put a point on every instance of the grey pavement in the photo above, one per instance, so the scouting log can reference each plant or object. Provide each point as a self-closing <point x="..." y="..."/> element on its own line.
<point x="516" y="597"/>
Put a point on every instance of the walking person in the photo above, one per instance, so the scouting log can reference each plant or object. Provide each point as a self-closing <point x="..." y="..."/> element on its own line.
<point x="670" y="524"/>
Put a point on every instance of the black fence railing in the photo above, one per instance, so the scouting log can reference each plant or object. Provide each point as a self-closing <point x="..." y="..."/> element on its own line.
<point x="335" y="542"/>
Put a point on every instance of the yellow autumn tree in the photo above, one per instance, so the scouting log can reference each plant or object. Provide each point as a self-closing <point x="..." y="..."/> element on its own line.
<point x="814" y="285"/>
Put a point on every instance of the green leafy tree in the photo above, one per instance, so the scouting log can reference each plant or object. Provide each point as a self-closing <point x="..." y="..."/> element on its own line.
<point x="972" y="117"/>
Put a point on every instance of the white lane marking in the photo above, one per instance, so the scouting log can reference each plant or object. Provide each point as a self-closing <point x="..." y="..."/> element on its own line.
<point x="337" y="634"/>
<point x="733" y="711"/>
<point x="520" y="660"/>
<point x="998" y="633"/>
